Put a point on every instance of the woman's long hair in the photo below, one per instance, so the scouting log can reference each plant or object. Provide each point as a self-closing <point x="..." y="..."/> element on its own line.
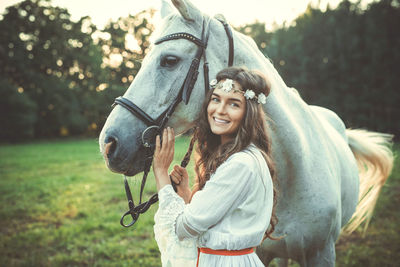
<point x="253" y="129"/>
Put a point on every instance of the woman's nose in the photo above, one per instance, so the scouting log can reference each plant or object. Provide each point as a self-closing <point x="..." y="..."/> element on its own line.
<point x="221" y="108"/>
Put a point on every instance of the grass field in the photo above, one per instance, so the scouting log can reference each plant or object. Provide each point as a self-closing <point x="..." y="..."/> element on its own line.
<point x="60" y="206"/>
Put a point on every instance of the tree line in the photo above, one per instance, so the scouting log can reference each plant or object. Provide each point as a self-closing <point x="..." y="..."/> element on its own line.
<point x="58" y="77"/>
<point x="346" y="59"/>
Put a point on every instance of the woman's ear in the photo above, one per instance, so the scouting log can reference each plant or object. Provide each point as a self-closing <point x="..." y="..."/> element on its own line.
<point x="188" y="11"/>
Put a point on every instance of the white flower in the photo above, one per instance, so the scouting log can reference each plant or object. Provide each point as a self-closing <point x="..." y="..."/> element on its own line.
<point x="213" y="83"/>
<point x="249" y="94"/>
<point x="262" y="99"/>
<point x="227" y="85"/>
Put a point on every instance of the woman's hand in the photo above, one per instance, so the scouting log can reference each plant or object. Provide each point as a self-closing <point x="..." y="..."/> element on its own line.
<point x="180" y="177"/>
<point x="163" y="156"/>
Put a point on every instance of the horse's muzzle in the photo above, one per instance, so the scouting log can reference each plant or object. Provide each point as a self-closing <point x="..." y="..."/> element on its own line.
<point x="121" y="157"/>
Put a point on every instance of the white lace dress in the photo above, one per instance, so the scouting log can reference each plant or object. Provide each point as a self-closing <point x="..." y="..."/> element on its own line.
<point x="231" y="212"/>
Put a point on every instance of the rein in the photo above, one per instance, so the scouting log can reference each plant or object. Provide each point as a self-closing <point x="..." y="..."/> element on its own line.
<point x="154" y="127"/>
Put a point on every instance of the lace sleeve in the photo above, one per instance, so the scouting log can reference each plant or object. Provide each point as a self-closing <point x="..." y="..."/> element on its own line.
<point x="173" y="251"/>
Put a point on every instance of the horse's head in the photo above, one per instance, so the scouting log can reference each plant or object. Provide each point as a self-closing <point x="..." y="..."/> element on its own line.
<point x="158" y="83"/>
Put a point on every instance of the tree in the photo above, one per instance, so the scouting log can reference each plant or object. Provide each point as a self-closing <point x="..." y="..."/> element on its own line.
<point x="17" y="113"/>
<point x="50" y="58"/>
<point x="65" y="68"/>
<point x="345" y="59"/>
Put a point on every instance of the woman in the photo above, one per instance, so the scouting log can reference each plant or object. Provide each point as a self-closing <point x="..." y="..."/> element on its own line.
<point x="231" y="208"/>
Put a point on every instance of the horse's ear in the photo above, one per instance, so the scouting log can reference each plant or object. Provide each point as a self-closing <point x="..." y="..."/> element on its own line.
<point x="166" y="9"/>
<point x="187" y="10"/>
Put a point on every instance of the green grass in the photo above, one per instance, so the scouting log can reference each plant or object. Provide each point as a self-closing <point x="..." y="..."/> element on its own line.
<point x="60" y="206"/>
<point x="381" y="244"/>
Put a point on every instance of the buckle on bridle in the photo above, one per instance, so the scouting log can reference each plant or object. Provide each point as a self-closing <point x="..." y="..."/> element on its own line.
<point x="149" y="135"/>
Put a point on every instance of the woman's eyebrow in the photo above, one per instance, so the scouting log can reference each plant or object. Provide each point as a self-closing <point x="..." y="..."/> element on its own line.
<point x="235" y="99"/>
<point x="231" y="98"/>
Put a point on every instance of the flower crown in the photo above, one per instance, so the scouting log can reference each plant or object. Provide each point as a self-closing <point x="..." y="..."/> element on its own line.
<point x="227" y="86"/>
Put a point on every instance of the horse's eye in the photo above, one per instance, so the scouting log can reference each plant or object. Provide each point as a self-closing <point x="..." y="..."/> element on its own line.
<point x="169" y="61"/>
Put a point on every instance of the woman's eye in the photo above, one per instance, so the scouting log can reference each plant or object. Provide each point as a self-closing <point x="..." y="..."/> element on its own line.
<point x="214" y="99"/>
<point x="169" y="61"/>
<point x="234" y="105"/>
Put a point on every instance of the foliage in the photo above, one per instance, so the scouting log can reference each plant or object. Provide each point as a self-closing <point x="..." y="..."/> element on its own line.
<point x="260" y="36"/>
<point x="61" y="66"/>
<point x="60" y="206"/>
<point x="125" y="45"/>
<point x="17" y="113"/>
<point x="345" y="59"/>
<point x="47" y="55"/>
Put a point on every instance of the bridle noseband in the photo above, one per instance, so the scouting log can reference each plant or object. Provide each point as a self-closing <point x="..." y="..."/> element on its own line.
<point x="154" y="127"/>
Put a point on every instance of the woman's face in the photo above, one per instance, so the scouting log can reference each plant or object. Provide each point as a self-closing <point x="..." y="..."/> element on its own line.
<point x="225" y="112"/>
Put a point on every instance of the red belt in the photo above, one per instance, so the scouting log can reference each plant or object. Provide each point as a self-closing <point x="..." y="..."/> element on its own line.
<point x="223" y="252"/>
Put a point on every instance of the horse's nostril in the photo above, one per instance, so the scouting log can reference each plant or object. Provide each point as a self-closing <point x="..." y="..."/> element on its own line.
<point x="109" y="139"/>
<point x="111" y="145"/>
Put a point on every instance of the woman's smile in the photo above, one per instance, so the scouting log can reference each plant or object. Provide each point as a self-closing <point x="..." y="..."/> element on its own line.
<point x="221" y="121"/>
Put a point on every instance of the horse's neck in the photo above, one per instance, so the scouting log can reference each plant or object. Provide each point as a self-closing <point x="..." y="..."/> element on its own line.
<point x="282" y="101"/>
<point x="248" y="54"/>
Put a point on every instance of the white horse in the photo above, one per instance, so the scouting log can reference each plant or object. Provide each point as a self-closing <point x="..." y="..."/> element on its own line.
<point x="316" y="156"/>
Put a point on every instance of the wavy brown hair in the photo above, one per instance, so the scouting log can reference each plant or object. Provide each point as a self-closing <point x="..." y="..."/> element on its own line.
<point x="253" y="129"/>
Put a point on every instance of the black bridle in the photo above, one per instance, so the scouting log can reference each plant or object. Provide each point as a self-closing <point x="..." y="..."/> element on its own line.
<point x="154" y="127"/>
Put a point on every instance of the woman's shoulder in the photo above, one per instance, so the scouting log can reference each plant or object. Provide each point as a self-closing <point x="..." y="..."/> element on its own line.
<point x="248" y="156"/>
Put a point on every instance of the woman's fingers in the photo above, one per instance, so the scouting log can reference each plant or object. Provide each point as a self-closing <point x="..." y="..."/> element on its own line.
<point x="177" y="168"/>
<point x="157" y="151"/>
<point x="177" y="174"/>
<point x="168" y="142"/>
<point x="164" y="149"/>
<point x="181" y="171"/>
<point x="171" y="141"/>
<point x="176" y="178"/>
<point x="164" y="140"/>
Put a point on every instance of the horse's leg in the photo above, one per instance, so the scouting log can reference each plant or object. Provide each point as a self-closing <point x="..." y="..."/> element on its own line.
<point x="265" y="256"/>
<point x="324" y="257"/>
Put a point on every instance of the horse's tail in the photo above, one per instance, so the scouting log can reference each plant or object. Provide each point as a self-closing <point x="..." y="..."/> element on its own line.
<point x="374" y="157"/>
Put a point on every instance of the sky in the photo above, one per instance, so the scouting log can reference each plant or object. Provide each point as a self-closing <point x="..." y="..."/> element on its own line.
<point x="236" y="12"/>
